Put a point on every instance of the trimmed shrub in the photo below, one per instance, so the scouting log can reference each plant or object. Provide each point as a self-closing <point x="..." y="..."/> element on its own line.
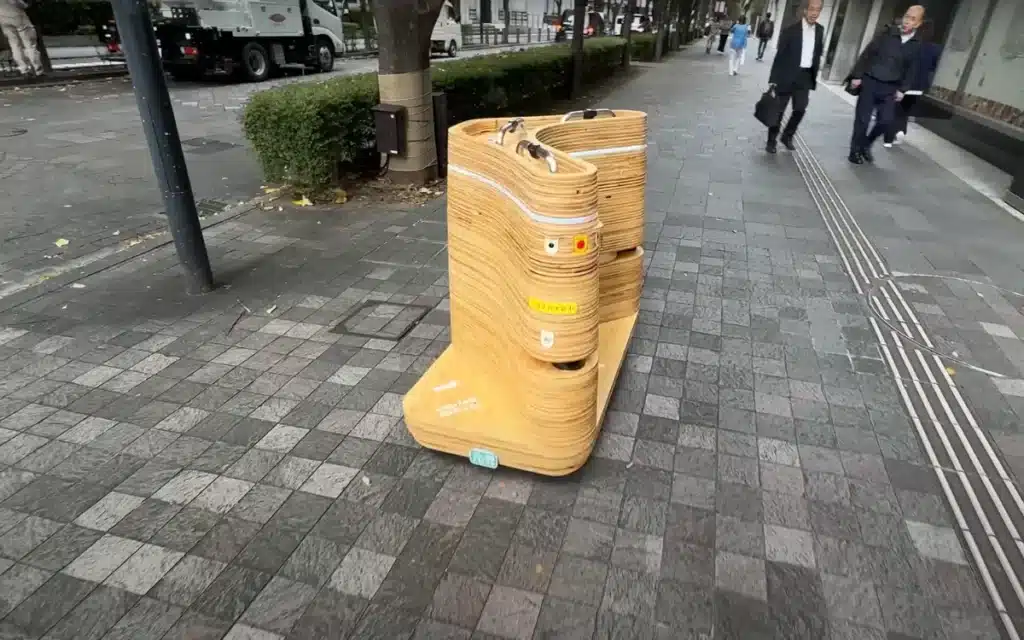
<point x="642" y="45"/>
<point x="303" y="132"/>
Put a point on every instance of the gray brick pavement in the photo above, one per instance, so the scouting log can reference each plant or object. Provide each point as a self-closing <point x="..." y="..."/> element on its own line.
<point x="173" y="467"/>
<point x="81" y="170"/>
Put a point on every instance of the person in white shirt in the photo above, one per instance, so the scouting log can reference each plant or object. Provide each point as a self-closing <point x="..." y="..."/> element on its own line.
<point x="795" y="72"/>
<point x="20" y="36"/>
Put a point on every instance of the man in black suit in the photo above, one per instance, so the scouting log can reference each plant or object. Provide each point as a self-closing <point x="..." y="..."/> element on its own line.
<point x="795" y="71"/>
<point x="883" y="74"/>
<point x="765" y="31"/>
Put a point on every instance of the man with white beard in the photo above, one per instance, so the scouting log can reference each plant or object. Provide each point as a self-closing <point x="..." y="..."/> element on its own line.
<point x="20" y="36"/>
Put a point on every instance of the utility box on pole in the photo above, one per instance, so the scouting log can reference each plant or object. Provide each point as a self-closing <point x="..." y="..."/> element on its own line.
<point x="143" y="59"/>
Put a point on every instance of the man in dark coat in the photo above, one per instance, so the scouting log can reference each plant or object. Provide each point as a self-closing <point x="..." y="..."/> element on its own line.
<point x="883" y="74"/>
<point x="927" y="64"/>
<point x="765" y="31"/>
<point x="795" y="71"/>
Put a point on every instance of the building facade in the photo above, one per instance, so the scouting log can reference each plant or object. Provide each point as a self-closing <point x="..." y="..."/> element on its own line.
<point x="977" y="98"/>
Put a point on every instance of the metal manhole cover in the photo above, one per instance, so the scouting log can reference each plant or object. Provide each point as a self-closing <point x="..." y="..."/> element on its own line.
<point x="11" y="132"/>
<point x="384" y="320"/>
<point x="207" y="146"/>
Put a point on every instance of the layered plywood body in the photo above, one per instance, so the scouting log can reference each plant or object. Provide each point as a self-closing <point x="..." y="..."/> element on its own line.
<point x="545" y="223"/>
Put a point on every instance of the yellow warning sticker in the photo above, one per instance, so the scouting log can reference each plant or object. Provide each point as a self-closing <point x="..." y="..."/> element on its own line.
<point x="580" y="244"/>
<point x="554" y="308"/>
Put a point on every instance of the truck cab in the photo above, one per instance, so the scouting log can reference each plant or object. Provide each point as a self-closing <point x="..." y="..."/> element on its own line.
<point x="326" y="17"/>
<point x="447" y="34"/>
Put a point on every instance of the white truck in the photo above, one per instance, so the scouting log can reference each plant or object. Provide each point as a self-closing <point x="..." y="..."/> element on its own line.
<point x="447" y="34"/>
<point x="249" y="37"/>
<point x="446" y="37"/>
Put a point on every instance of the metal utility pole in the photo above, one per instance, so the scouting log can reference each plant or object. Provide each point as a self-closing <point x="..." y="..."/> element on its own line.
<point x="580" y="20"/>
<point x="140" y="50"/>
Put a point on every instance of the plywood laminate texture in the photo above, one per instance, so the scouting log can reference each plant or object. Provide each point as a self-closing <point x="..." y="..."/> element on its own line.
<point x="542" y="307"/>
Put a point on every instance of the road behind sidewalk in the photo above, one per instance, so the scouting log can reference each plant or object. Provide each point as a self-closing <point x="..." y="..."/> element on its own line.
<point x="181" y="467"/>
<point x="74" y="164"/>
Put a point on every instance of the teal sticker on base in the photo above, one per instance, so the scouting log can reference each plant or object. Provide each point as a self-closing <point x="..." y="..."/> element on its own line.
<point x="483" y="458"/>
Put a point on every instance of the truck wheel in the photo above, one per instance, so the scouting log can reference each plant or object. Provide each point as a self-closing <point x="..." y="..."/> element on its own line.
<point x="453" y="49"/>
<point x="324" y="55"/>
<point x="255" y="62"/>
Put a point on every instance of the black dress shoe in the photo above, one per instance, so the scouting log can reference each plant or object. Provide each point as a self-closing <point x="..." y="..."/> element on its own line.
<point x="866" y="154"/>
<point x="855" y="157"/>
<point x="787" y="141"/>
<point x="771" y="147"/>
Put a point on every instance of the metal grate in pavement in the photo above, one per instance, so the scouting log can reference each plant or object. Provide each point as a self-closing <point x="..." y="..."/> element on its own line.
<point x="383" y="320"/>
<point x="206" y="146"/>
<point x="11" y="132"/>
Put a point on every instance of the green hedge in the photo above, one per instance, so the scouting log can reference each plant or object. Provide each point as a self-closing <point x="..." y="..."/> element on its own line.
<point x="303" y="132"/>
<point x="642" y="46"/>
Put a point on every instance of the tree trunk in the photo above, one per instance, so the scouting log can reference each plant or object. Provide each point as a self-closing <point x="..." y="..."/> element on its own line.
<point x="627" y="26"/>
<point x="579" y="20"/>
<point x="659" y="28"/>
<point x="403" y="36"/>
<point x="508" y="21"/>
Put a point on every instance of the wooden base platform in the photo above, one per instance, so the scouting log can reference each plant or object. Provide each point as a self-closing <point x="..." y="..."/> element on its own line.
<point x="460" y="406"/>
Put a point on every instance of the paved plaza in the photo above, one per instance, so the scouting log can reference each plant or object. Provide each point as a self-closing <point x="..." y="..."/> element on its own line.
<point x="774" y="464"/>
<point x="74" y="165"/>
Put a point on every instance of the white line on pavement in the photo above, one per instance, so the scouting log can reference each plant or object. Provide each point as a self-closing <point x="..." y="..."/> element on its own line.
<point x="855" y="249"/>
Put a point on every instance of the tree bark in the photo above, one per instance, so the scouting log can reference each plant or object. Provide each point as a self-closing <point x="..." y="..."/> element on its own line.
<point x="659" y="28"/>
<point x="403" y="36"/>
<point x="627" y="26"/>
<point x="579" y="12"/>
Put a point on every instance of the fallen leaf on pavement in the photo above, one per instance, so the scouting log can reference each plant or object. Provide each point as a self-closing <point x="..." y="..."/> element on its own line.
<point x="302" y="202"/>
<point x="78" y="285"/>
<point x="62" y="242"/>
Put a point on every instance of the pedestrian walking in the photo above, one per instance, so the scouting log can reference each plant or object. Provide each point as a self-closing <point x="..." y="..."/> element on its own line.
<point x="709" y="35"/>
<point x="927" y="63"/>
<point x="724" y="26"/>
<point x="795" y="71"/>
<point x="883" y="74"/>
<point x="21" y="37"/>
<point x="765" y="31"/>
<point x="738" y="47"/>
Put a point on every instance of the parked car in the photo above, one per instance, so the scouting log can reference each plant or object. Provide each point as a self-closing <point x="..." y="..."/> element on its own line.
<point x="640" y="24"/>
<point x="594" y="27"/>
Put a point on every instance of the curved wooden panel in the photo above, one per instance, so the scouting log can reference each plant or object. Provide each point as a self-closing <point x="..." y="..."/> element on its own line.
<point x="541" y="308"/>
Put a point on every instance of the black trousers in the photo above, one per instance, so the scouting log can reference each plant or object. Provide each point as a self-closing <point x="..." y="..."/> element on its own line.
<point x="722" y="37"/>
<point x="762" y="44"/>
<point x="800" y="95"/>
<point x="878" y="98"/>
<point x="901" y="117"/>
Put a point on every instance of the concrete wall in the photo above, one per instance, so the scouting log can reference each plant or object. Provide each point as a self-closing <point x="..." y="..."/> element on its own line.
<point x="998" y="72"/>
<point x="966" y="29"/>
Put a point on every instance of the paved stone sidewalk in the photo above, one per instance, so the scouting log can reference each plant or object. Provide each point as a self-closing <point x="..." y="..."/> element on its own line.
<point x="227" y="466"/>
<point x="74" y="164"/>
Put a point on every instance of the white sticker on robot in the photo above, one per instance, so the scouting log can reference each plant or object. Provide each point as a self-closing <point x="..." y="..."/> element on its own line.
<point x="451" y="384"/>
<point x="469" y="404"/>
<point x="551" y="246"/>
<point x="547" y="339"/>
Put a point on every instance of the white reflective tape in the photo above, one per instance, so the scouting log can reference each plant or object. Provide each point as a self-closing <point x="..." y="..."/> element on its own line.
<point x="609" y="151"/>
<point x="536" y="217"/>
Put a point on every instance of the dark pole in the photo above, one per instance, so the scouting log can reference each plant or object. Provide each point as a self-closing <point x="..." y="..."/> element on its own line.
<point x="627" y="28"/>
<point x="140" y="50"/>
<point x="579" y="19"/>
